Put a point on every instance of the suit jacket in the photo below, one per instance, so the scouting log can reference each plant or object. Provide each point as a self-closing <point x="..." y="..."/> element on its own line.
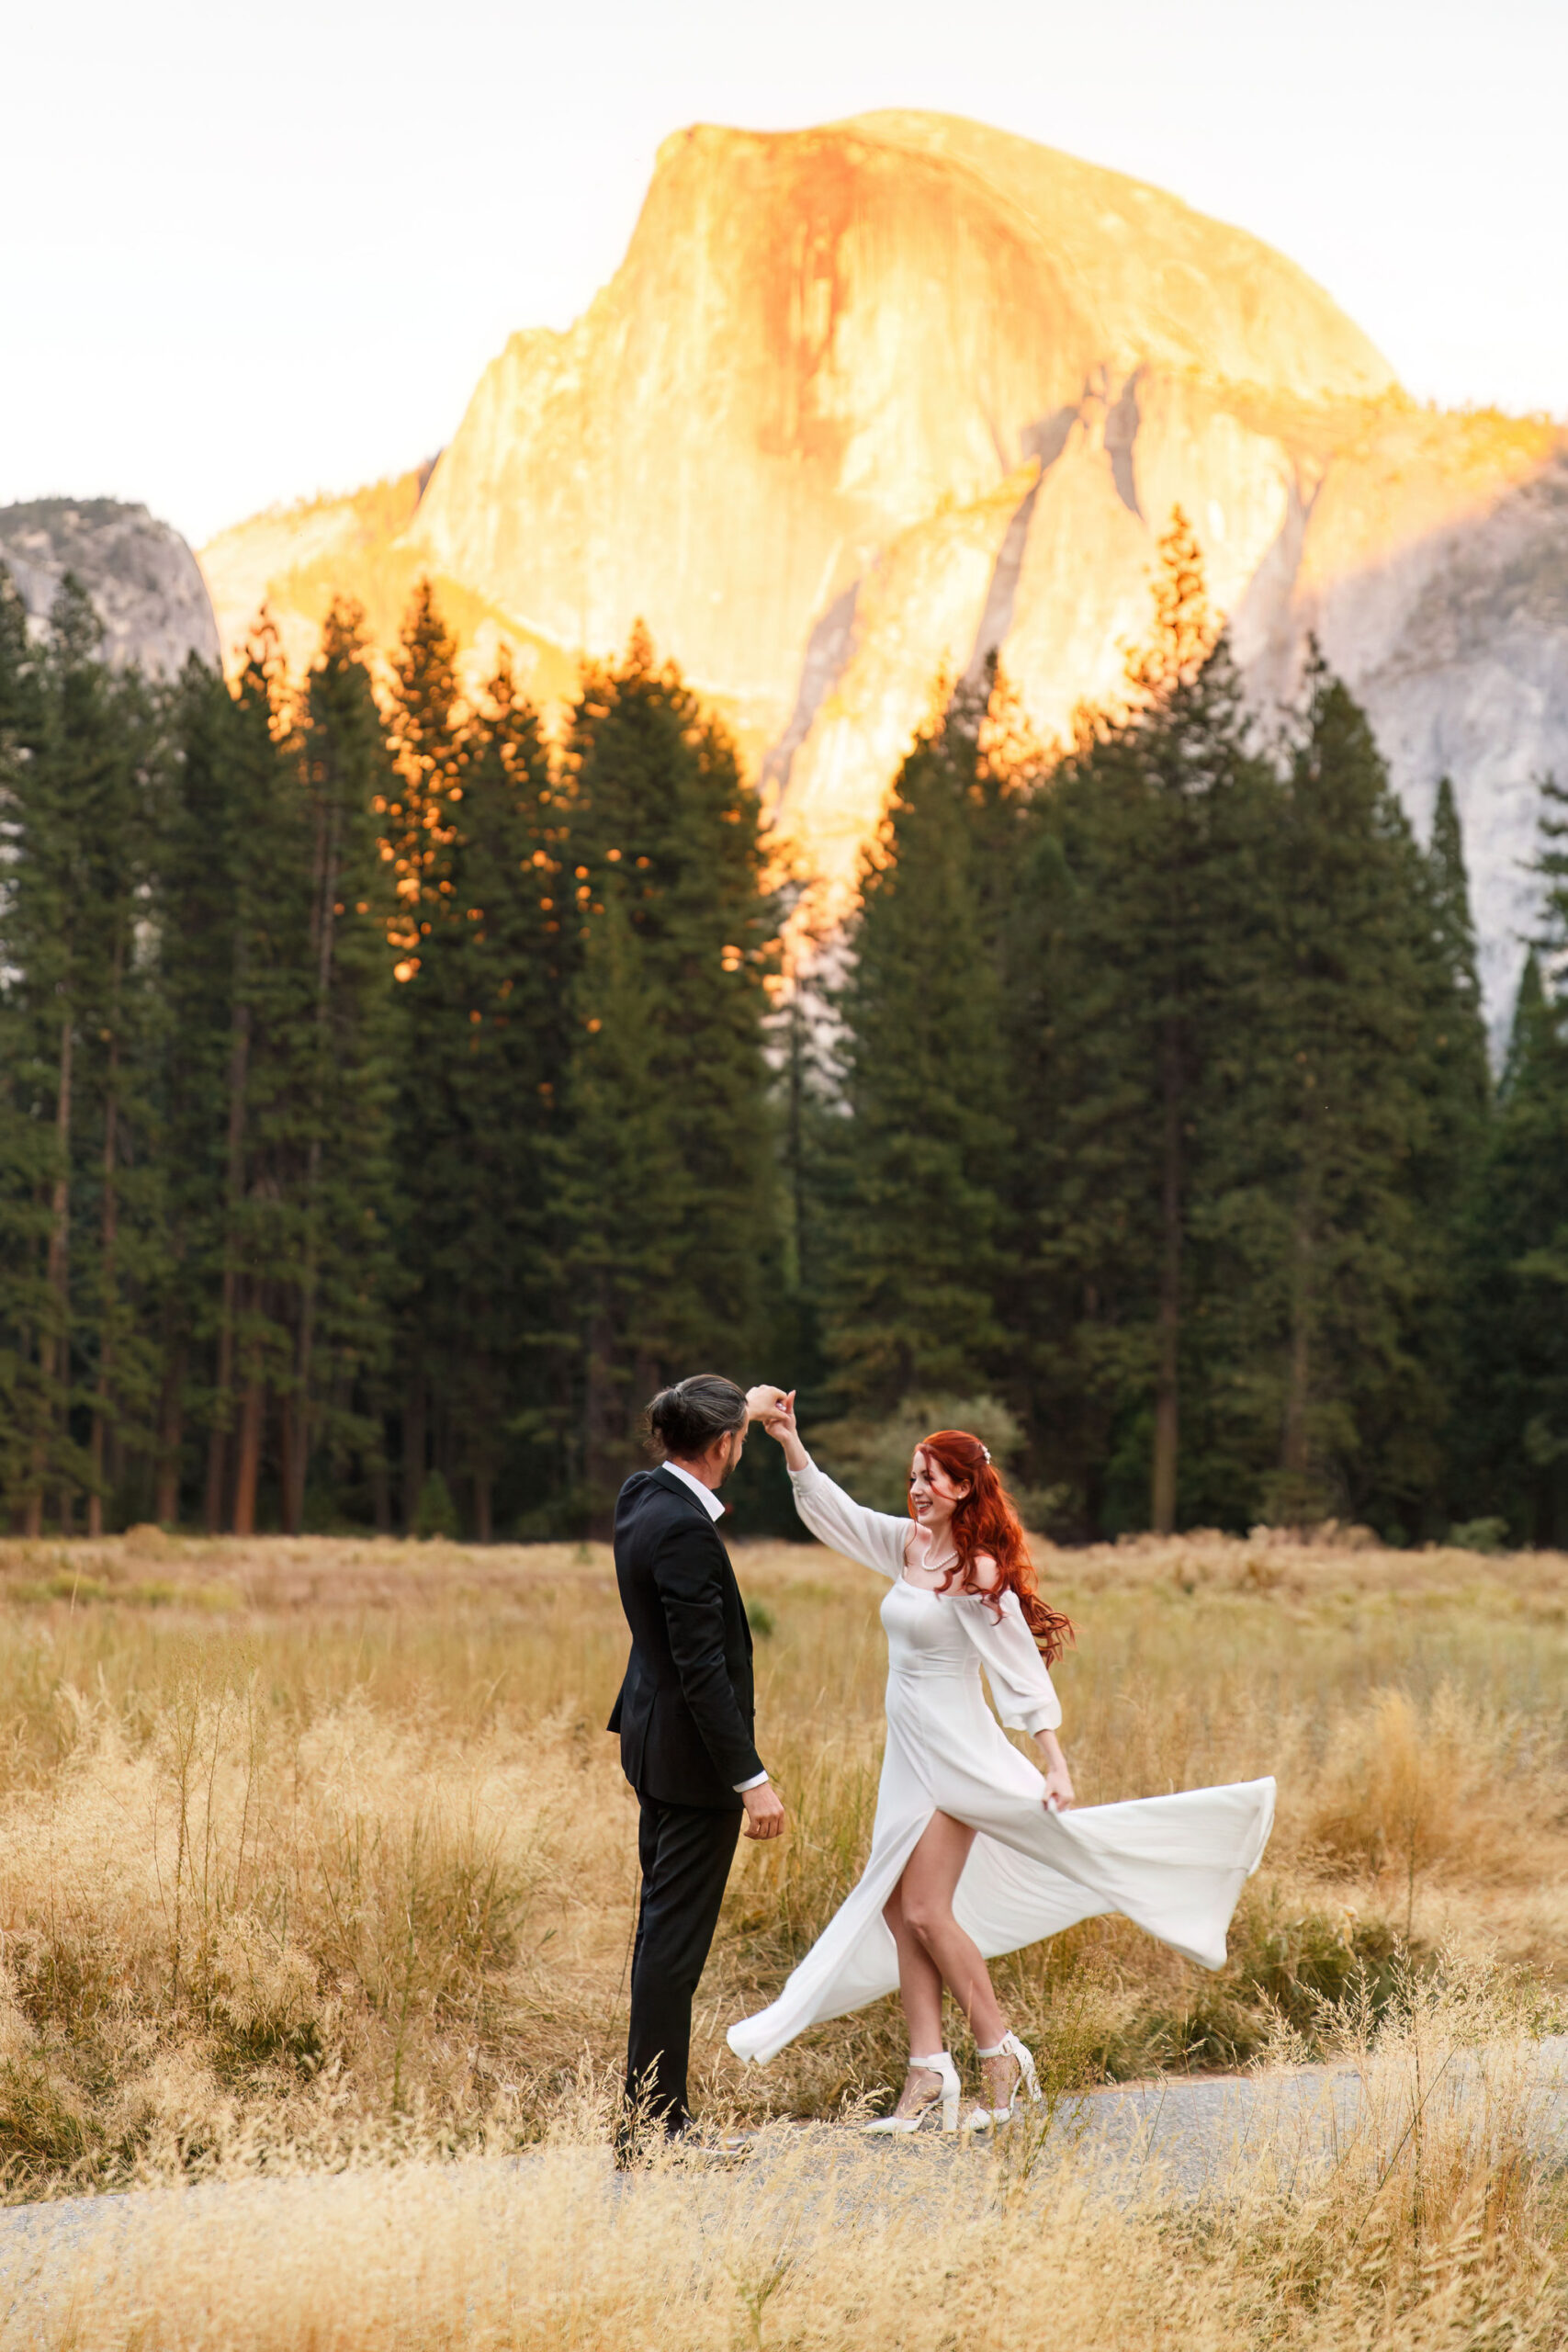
<point x="687" y="1705"/>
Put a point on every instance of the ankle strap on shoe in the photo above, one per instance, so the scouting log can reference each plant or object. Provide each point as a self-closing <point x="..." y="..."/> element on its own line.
<point x="999" y="2052"/>
<point x="935" y="2063"/>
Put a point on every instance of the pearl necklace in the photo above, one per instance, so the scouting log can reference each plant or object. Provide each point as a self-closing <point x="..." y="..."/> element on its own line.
<point x="932" y="1566"/>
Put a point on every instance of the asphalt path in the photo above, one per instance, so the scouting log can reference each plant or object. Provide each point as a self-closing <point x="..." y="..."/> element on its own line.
<point x="1179" y="2138"/>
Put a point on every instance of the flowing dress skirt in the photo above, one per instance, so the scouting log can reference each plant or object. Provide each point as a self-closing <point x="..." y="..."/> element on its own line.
<point x="1175" y="1865"/>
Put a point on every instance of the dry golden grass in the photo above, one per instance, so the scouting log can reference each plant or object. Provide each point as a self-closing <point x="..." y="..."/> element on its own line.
<point x="306" y="1843"/>
<point x="1429" y="2228"/>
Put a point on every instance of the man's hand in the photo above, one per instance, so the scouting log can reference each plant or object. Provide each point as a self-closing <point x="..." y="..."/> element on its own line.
<point x="764" y="1811"/>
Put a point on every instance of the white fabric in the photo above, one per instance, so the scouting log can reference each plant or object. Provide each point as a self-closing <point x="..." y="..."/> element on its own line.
<point x="704" y="1495"/>
<point x="1175" y="1865"/>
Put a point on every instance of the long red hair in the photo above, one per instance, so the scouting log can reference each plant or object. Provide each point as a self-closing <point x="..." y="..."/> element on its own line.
<point x="986" y="1523"/>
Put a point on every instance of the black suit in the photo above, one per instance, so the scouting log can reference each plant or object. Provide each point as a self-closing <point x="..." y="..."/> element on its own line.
<point x="684" y="1716"/>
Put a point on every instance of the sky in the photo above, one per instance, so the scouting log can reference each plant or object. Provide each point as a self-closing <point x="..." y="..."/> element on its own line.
<point x="248" y="255"/>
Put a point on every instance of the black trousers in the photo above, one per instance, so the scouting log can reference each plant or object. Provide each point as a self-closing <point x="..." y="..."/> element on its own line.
<point x="686" y="1852"/>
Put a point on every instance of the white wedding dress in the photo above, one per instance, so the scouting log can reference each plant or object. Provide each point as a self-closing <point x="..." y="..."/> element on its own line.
<point x="1173" y="1864"/>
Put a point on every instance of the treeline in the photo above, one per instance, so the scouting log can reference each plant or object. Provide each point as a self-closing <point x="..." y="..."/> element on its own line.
<point x="384" y="1104"/>
<point x="393" y="1097"/>
<point x="1171" y="1124"/>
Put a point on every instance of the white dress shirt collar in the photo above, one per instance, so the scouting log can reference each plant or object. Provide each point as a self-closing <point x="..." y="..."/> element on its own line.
<point x="704" y="1495"/>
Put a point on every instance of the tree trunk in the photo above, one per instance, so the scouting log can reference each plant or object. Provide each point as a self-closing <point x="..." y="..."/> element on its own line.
<point x="170" y="1432"/>
<point x="1295" y="1451"/>
<point x="601" y="1450"/>
<point x="288" y="1439"/>
<point x="1168" y="1330"/>
<point x="54" y="1350"/>
<point x="484" y="1486"/>
<point x="223" y="1389"/>
<point x="380" y="1496"/>
<point x="415" y="1433"/>
<point x="252" y="1413"/>
<point x="109" y="1239"/>
<point x="296" y="1409"/>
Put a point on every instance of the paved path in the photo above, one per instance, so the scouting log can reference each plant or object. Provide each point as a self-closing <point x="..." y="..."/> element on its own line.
<point x="1183" y="2136"/>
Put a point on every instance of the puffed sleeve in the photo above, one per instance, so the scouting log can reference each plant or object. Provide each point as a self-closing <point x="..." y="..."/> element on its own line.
<point x="1021" y="1684"/>
<point x="869" y="1536"/>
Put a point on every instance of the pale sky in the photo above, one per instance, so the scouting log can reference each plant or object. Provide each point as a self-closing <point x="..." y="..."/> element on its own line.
<point x="248" y="255"/>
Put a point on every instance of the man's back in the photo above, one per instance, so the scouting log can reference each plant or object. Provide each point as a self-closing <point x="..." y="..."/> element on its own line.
<point x="685" y="1712"/>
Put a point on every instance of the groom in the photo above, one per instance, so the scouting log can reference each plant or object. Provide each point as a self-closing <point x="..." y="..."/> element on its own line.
<point x="685" y="1717"/>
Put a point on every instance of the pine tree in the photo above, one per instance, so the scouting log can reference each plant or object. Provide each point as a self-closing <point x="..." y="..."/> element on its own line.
<point x="669" y="933"/>
<point x="1512" y="1427"/>
<point x="236" y="785"/>
<point x="342" y="1334"/>
<point x="420" y="817"/>
<point x="918" y="1238"/>
<point x="307" y="1214"/>
<point x="621" y="1197"/>
<point x="472" y="837"/>
<point x="81" y="796"/>
<point x="1145" y="873"/>
<point x="25" y="1137"/>
<point x="1455" y="955"/>
<point x="500" y="1088"/>
<point x="121" y="1178"/>
<point x="1349" y="1035"/>
<point x="1335" y="1196"/>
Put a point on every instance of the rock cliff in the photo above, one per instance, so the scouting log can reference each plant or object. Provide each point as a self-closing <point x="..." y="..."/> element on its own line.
<point x="144" y="581"/>
<point x="864" y="401"/>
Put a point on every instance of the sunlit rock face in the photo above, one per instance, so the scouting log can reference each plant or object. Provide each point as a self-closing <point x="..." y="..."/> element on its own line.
<point x="145" y="584"/>
<point x="865" y="402"/>
<point x="1433" y="570"/>
<point x="818" y="343"/>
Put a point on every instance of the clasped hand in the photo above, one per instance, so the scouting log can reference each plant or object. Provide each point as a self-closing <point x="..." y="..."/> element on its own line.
<point x="775" y="1407"/>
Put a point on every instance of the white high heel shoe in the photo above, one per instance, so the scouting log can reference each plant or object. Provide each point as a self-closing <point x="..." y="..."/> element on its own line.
<point x="945" y="2102"/>
<point x="990" y="2118"/>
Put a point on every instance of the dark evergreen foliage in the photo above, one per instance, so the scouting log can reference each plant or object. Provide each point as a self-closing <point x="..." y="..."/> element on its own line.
<point x="1154" y="916"/>
<point x="1511" y="1435"/>
<point x="390" y="1101"/>
<point x="666" y="1211"/>
<point x="916" y="1245"/>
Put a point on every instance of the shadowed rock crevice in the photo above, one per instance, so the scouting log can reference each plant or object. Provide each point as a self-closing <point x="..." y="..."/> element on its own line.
<point x="1002" y="594"/>
<point x="1121" y="433"/>
<point x="828" y="652"/>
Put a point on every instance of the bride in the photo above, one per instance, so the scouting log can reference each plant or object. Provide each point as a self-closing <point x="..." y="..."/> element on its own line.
<point x="974" y="1851"/>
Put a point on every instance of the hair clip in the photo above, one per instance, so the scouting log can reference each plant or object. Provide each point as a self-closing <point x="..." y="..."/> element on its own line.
<point x="986" y="1452"/>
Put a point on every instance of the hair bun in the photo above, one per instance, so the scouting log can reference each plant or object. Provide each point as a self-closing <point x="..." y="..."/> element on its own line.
<point x="684" y="1419"/>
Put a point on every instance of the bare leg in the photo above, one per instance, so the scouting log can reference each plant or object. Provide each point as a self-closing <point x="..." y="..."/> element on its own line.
<point x="933" y="1948"/>
<point x="929" y="1885"/>
<point x="919" y="1978"/>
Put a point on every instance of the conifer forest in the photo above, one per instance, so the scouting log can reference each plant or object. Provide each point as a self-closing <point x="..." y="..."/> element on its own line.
<point x="394" y="1091"/>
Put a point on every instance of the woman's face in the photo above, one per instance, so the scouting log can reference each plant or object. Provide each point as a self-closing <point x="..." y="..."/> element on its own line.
<point x="932" y="1493"/>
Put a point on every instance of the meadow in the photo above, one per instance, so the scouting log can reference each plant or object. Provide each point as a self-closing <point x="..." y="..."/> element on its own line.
<point x="314" y="1855"/>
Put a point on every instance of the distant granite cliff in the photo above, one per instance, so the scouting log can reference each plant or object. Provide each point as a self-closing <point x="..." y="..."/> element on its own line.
<point x="865" y="401"/>
<point x="144" y="580"/>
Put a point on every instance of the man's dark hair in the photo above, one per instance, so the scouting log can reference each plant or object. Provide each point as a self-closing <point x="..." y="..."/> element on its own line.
<point x="685" y="1420"/>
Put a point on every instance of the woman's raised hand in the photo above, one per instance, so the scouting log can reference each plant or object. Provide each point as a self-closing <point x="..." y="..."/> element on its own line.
<point x="775" y="1407"/>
